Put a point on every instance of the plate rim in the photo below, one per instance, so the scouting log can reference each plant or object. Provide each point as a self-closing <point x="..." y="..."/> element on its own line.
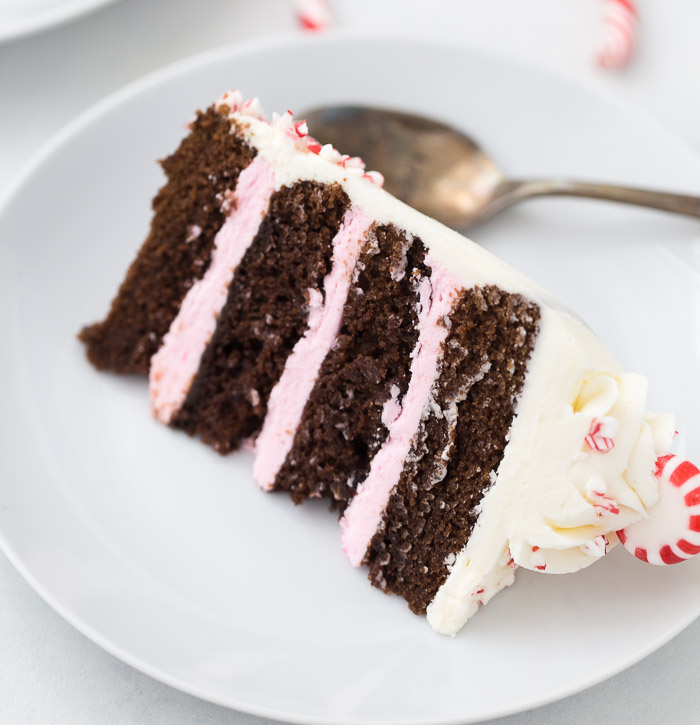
<point x="232" y="51"/>
<point x="47" y="19"/>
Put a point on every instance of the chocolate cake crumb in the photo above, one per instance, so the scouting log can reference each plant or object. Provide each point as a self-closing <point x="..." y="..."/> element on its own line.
<point x="265" y="314"/>
<point x="176" y="252"/>
<point x="433" y="509"/>
<point x="341" y="427"/>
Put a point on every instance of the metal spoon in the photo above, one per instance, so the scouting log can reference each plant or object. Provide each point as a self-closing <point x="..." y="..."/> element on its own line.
<point x="446" y="175"/>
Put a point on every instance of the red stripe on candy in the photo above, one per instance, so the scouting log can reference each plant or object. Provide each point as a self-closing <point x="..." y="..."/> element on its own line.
<point x="687" y="548"/>
<point x="693" y="498"/>
<point x="313" y="15"/>
<point x="619" y="38"/>
<point x="600" y="444"/>
<point x="661" y="462"/>
<point x="624" y="25"/>
<point x="694" y="523"/>
<point x="668" y="557"/>
<point x="622" y="536"/>
<point x="629" y="5"/>
<point x="596" y="440"/>
<point x="641" y="554"/>
<point x="309" y="23"/>
<point x="683" y="472"/>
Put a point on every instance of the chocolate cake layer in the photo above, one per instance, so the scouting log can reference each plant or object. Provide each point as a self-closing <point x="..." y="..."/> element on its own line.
<point x="341" y="427"/>
<point x="177" y="251"/>
<point x="265" y="314"/>
<point x="454" y="457"/>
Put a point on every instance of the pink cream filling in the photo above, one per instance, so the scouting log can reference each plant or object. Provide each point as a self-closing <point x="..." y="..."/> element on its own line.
<point x="364" y="514"/>
<point x="175" y="365"/>
<point x="288" y="398"/>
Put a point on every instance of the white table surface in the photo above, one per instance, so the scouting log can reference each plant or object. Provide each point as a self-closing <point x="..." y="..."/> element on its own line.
<point x="51" y="673"/>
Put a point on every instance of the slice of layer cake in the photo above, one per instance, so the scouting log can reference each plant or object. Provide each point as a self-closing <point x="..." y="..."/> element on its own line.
<point x="458" y="418"/>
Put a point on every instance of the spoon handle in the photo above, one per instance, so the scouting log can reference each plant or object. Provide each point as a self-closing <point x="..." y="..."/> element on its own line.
<point x="511" y="192"/>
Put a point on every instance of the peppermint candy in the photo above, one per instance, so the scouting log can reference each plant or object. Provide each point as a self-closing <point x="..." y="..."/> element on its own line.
<point x="619" y="33"/>
<point x="672" y="532"/>
<point x="375" y="177"/>
<point x="596" y="548"/>
<point x="597" y="494"/>
<point x="601" y="434"/>
<point x="313" y="15"/>
<point x="537" y="560"/>
<point x="237" y="103"/>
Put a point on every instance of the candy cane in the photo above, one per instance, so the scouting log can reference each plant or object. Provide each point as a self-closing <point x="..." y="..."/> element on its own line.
<point x="671" y="534"/>
<point x="313" y="15"/>
<point x="619" y="33"/>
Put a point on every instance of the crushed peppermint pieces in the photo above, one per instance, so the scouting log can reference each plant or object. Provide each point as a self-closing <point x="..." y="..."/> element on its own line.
<point x="601" y="434"/>
<point x="298" y="132"/>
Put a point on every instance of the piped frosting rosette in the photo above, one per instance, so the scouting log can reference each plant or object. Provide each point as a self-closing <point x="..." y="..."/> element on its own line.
<point x="612" y="483"/>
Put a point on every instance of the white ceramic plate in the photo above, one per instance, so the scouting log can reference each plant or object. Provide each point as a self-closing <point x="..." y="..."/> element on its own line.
<point x="168" y="556"/>
<point x="22" y="17"/>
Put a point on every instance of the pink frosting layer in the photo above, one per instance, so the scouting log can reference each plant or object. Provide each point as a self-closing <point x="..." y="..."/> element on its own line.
<point x="174" y="366"/>
<point x="364" y="514"/>
<point x="289" y="396"/>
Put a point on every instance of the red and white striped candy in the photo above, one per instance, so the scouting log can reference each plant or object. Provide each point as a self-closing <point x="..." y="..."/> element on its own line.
<point x="672" y="532"/>
<point x="596" y="492"/>
<point x="619" y="33"/>
<point x="313" y="15"/>
<point x="376" y="177"/>
<point x="596" y="547"/>
<point x="601" y="434"/>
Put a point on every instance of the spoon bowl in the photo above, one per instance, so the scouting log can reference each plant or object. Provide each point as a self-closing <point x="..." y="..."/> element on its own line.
<point x="445" y="174"/>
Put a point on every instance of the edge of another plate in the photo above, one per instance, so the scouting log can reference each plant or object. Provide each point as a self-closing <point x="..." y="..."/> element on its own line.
<point x="50" y="18"/>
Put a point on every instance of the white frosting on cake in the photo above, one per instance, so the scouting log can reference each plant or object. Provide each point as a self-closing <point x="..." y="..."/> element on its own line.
<point x="471" y="264"/>
<point x="579" y="464"/>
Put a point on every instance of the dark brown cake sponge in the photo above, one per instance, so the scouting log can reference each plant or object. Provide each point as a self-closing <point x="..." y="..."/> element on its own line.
<point x="341" y="427"/>
<point x="434" y="509"/>
<point x="178" y="248"/>
<point x="265" y="314"/>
